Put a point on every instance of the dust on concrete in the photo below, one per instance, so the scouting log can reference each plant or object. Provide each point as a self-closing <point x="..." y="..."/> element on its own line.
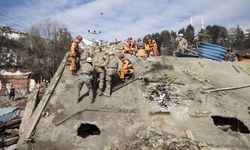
<point x="185" y="100"/>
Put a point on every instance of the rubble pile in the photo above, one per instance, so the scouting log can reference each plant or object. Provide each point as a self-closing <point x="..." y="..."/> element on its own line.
<point x="9" y="132"/>
<point x="163" y="90"/>
<point x="152" y="139"/>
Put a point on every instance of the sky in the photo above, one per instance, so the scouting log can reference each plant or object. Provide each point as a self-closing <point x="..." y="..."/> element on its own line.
<point x="124" y="18"/>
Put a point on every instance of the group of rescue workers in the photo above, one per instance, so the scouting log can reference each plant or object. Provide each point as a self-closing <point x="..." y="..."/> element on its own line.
<point x="140" y="49"/>
<point x="97" y="67"/>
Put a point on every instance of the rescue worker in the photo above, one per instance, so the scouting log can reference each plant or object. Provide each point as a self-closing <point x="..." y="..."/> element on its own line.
<point x="129" y="47"/>
<point x="75" y="54"/>
<point x="99" y="62"/>
<point x="127" y="70"/>
<point x="182" y="44"/>
<point x="86" y="75"/>
<point x="12" y="92"/>
<point x="140" y="44"/>
<point x="140" y="50"/>
<point x="151" y="46"/>
<point x="85" y="55"/>
<point x="111" y="70"/>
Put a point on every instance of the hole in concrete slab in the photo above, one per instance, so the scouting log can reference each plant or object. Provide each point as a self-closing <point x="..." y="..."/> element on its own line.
<point x="87" y="129"/>
<point x="226" y="123"/>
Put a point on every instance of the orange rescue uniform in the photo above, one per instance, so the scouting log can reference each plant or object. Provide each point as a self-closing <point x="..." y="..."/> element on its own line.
<point x="74" y="53"/>
<point x="151" y="46"/>
<point x="128" y="47"/>
<point x="141" y="53"/>
<point x="126" y="70"/>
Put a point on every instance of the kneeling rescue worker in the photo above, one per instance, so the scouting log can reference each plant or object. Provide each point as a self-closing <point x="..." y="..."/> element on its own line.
<point x="75" y="54"/>
<point x="151" y="46"/>
<point x="129" y="47"/>
<point x="86" y="75"/>
<point x="127" y="70"/>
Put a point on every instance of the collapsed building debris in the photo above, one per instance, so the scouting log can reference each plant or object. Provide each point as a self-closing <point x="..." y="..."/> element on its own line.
<point x="152" y="139"/>
<point x="162" y="90"/>
<point x="180" y="109"/>
<point x="9" y="133"/>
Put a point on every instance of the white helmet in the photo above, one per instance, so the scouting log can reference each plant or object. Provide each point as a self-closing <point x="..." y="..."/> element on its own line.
<point x="180" y="35"/>
<point x="89" y="60"/>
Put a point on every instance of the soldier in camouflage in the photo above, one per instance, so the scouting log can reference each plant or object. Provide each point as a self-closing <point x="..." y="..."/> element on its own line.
<point x="111" y="69"/>
<point x="86" y="75"/>
<point x="100" y="60"/>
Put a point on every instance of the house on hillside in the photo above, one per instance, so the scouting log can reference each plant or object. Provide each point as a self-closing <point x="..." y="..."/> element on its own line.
<point x="19" y="78"/>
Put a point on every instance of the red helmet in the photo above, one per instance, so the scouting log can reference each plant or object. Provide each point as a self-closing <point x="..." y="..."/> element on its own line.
<point x="121" y="56"/>
<point x="79" y="37"/>
<point x="148" y="37"/>
<point x="130" y="38"/>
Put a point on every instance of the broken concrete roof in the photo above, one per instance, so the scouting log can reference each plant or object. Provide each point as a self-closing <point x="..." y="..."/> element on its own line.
<point x="118" y="118"/>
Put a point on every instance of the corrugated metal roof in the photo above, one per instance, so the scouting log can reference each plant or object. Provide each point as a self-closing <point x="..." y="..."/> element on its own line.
<point x="6" y="117"/>
<point x="17" y="113"/>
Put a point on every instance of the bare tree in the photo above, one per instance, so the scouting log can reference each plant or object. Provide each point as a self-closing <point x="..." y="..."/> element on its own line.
<point x="45" y="46"/>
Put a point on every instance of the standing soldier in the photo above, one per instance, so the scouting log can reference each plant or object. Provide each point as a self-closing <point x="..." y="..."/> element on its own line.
<point x="86" y="75"/>
<point x="99" y="62"/>
<point x="75" y="53"/>
<point x="111" y="69"/>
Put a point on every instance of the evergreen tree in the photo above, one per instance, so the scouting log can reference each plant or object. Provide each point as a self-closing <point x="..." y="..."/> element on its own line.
<point x="216" y="33"/>
<point x="183" y="31"/>
<point x="189" y="34"/>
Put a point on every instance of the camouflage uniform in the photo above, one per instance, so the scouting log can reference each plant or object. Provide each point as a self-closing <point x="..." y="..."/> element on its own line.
<point x="88" y="53"/>
<point x="99" y="62"/>
<point x="111" y="69"/>
<point x="86" y="78"/>
<point x="85" y="55"/>
<point x="182" y="45"/>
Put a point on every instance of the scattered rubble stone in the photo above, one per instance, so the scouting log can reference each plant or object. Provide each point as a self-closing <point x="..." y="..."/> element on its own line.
<point x="161" y="90"/>
<point x="152" y="139"/>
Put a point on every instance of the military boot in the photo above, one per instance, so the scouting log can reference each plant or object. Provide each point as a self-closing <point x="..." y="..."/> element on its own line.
<point x="91" y="96"/>
<point x="99" y="92"/>
<point x="107" y="93"/>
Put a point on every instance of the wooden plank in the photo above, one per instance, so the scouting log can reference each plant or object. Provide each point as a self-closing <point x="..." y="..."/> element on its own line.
<point x="160" y="113"/>
<point x="37" y="113"/>
<point x="9" y="142"/>
<point x="12" y="123"/>
<point x="29" y="109"/>
<point x="189" y="134"/>
<point x="236" y="69"/>
<point x="227" y="88"/>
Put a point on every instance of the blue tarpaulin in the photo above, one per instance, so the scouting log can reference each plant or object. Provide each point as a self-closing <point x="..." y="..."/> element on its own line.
<point x="9" y="113"/>
<point x="207" y="50"/>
